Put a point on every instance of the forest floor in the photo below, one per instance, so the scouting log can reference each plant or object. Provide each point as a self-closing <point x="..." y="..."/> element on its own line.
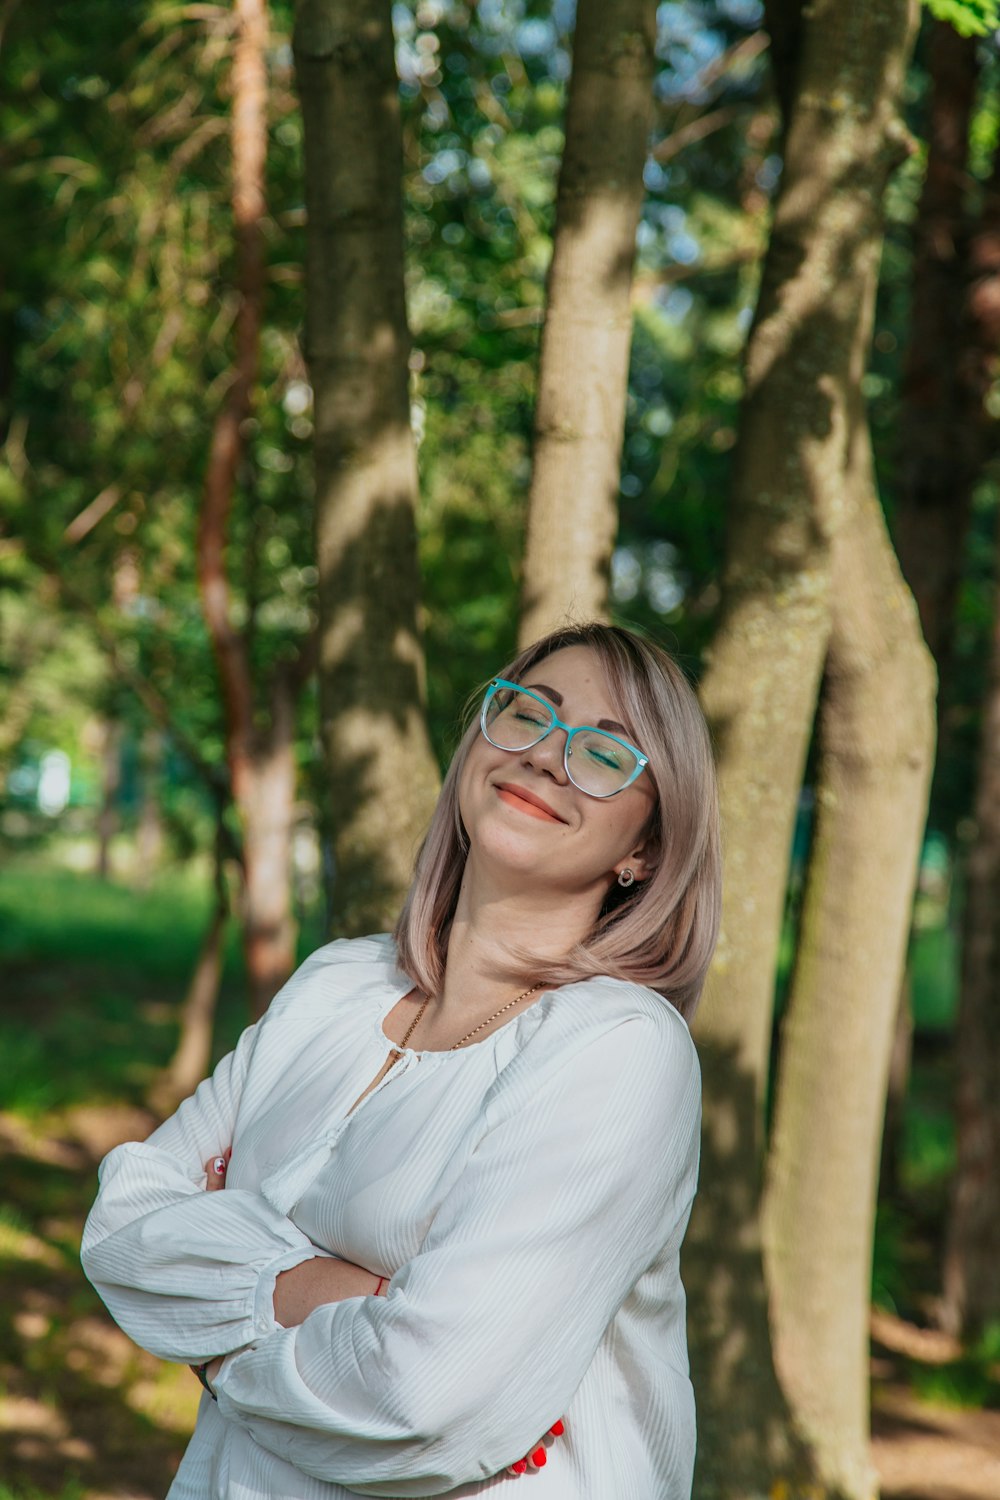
<point x="926" y="1450"/>
<point x="86" y="1416"/>
<point x="91" y="979"/>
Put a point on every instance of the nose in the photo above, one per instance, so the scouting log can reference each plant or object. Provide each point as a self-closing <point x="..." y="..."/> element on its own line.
<point x="548" y="756"/>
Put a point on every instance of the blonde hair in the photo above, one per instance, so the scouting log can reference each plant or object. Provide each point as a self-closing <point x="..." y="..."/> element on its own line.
<point x="662" y="930"/>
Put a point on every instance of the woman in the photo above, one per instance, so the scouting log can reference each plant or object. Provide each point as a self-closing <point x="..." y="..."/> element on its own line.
<point x="463" y="1157"/>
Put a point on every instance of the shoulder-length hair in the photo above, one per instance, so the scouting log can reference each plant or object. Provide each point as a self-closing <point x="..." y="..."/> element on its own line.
<point x="659" y="932"/>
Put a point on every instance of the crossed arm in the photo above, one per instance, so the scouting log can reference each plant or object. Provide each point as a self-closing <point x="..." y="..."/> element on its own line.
<point x="316" y="1282"/>
<point x="390" y="1395"/>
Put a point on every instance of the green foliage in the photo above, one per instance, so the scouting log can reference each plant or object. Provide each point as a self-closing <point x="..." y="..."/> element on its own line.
<point x="969" y="17"/>
<point x="970" y="1382"/>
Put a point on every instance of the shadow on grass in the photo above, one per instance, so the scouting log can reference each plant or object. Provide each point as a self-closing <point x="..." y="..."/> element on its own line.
<point x="82" y="1408"/>
<point x="93" y="975"/>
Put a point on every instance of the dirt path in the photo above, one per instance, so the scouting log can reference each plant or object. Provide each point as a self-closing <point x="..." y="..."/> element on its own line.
<point x="924" y="1451"/>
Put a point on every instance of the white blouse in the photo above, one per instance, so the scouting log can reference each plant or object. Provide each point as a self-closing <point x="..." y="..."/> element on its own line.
<point x="526" y="1195"/>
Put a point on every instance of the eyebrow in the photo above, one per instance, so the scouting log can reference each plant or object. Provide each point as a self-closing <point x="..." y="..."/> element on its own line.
<point x="557" y="699"/>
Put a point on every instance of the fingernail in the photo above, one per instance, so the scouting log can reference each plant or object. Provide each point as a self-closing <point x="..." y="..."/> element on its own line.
<point x="539" y="1457"/>
<point x="558" y="1428"/>
<point x="519" y="1467"/>
<point x="219" y="1166"/>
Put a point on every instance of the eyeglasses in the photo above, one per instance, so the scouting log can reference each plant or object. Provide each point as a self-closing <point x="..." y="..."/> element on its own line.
<point x="515" y="718"/>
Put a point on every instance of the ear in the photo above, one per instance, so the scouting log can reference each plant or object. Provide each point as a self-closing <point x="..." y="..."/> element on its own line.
<point x="642" y="862"/>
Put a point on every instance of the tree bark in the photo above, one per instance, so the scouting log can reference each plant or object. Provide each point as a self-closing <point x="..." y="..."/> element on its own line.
<point x="193" y="1053"/>
<point x="877" y="750"/>
<point x="383" y="778"/>
<point x="583" y="373"/>
<point x="935" y="471"/>
<point x="149" y="834"/>
<point x="934" y="479"/>
<point x="111" y="776"/>
<point x="971" y="1270"/>
<point x="839" y="73"/>
<point x="268" y="809"/>
<point x="258" y="759"/>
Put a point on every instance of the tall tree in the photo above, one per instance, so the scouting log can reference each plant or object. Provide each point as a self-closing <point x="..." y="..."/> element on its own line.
<point x="381" y="772"/>
<point x="580" y="412"/>
<point x="931" y="513"/>
<point x="799" y="473"/>
<point x="971" y="1272"/>
<point x="876" y="741"/>
<point x="260" y="750"/>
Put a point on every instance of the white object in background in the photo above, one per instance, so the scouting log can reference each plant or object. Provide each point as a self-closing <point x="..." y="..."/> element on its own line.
<point x="53" y="782"/>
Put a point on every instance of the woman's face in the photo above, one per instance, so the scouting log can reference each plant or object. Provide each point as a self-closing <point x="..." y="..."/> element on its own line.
<point x="526" y="819"/>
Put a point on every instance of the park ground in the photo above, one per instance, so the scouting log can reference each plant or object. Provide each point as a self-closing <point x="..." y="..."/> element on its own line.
<point x="92" y="975"/>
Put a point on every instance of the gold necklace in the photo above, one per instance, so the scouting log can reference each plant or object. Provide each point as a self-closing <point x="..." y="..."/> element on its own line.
<point x="509" y="1006"/>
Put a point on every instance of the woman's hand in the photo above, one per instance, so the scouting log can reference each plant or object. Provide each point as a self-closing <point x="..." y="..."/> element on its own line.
<point x="215" y="1171"/>
<point x="312" y="1283"/>
<point x="537" y="1458"/>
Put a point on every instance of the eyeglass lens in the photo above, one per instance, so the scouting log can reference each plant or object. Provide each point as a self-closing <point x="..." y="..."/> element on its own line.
<point x="597" y="763"/>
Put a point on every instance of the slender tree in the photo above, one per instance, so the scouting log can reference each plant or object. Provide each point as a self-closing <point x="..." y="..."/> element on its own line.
<point x="971" y="1277"/>
<point x="260" y="749"/>
<point x="876" y="733"/>
<point x="931" y="513"/>
<point x="580" y="412"/>
<point x="838" y="71"/>
<point x="381" y="772"/>
<point x="192" y="1056"/>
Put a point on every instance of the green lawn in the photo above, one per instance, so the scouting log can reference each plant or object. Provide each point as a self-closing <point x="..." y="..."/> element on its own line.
<point x="92" y="976"/>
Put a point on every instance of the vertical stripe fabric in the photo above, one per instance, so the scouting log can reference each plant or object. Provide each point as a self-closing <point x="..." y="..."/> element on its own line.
<point x="526" y="1196"/>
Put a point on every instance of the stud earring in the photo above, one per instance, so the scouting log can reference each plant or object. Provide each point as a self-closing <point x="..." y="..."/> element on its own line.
<point x="626" y="878"/>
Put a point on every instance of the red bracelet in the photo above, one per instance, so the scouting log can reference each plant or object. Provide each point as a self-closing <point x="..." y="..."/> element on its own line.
<point x="378" y="1289"/>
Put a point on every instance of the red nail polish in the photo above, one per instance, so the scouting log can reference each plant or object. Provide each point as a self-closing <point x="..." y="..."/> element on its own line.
<point x="558" y="1428"/>
<point x="520" y="1466"/>
<point x="539" y="1457"/>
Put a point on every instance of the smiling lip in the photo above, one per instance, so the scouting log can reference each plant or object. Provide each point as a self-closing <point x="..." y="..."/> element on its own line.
<point x="525" y="801"/>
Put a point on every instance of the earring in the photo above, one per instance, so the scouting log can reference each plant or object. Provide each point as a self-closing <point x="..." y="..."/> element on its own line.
<point x="626" y="878"/>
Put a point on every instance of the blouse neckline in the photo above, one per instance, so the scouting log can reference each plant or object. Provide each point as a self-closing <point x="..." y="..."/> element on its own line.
<point x="403" y="986"/>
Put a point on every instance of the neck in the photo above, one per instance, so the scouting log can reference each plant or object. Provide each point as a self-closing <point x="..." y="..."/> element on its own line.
<point x="492" y="926"/>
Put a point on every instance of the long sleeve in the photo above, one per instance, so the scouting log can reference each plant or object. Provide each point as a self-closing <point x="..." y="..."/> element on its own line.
<point x="582" y="1179"/>
<point x="186" y="1273"/>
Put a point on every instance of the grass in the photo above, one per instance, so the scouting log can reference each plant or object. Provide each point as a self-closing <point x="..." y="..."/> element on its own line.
<point x="93" y="973"/>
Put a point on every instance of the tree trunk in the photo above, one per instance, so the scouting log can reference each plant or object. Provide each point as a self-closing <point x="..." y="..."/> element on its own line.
<point x="383" y="779"/>
<point x="268" y="813"/>
<point x="934" y="491"/>
<point x="839" y="73"/>
<point x="193" y="1053"/>
<point x="111" y="775"/>
<point x="583" y="373"/>
<point x="260" y="761"/>
<point x="935" y="479"/>
<point x="877" y="750"/>
<point x="971" y="1271"/>
<point x="149" y="835"/>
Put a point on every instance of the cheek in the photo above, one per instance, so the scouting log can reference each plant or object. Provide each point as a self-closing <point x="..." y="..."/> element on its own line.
<point x="473" y="778"/>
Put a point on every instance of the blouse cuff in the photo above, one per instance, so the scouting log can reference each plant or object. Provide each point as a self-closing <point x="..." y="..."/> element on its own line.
<point x="264" y="1321"/>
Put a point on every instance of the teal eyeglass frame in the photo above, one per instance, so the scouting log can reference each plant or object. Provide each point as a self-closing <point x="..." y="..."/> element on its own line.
<point x="641" y="761"/>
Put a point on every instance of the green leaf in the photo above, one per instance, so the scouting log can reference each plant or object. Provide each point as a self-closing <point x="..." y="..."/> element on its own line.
<point x="968" y="17"/>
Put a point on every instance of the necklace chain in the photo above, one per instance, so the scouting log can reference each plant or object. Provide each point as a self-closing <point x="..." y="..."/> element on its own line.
<point x="509" y="1006"/>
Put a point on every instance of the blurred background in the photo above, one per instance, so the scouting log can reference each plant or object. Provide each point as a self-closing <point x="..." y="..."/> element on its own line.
<point x="279" y="490"/>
